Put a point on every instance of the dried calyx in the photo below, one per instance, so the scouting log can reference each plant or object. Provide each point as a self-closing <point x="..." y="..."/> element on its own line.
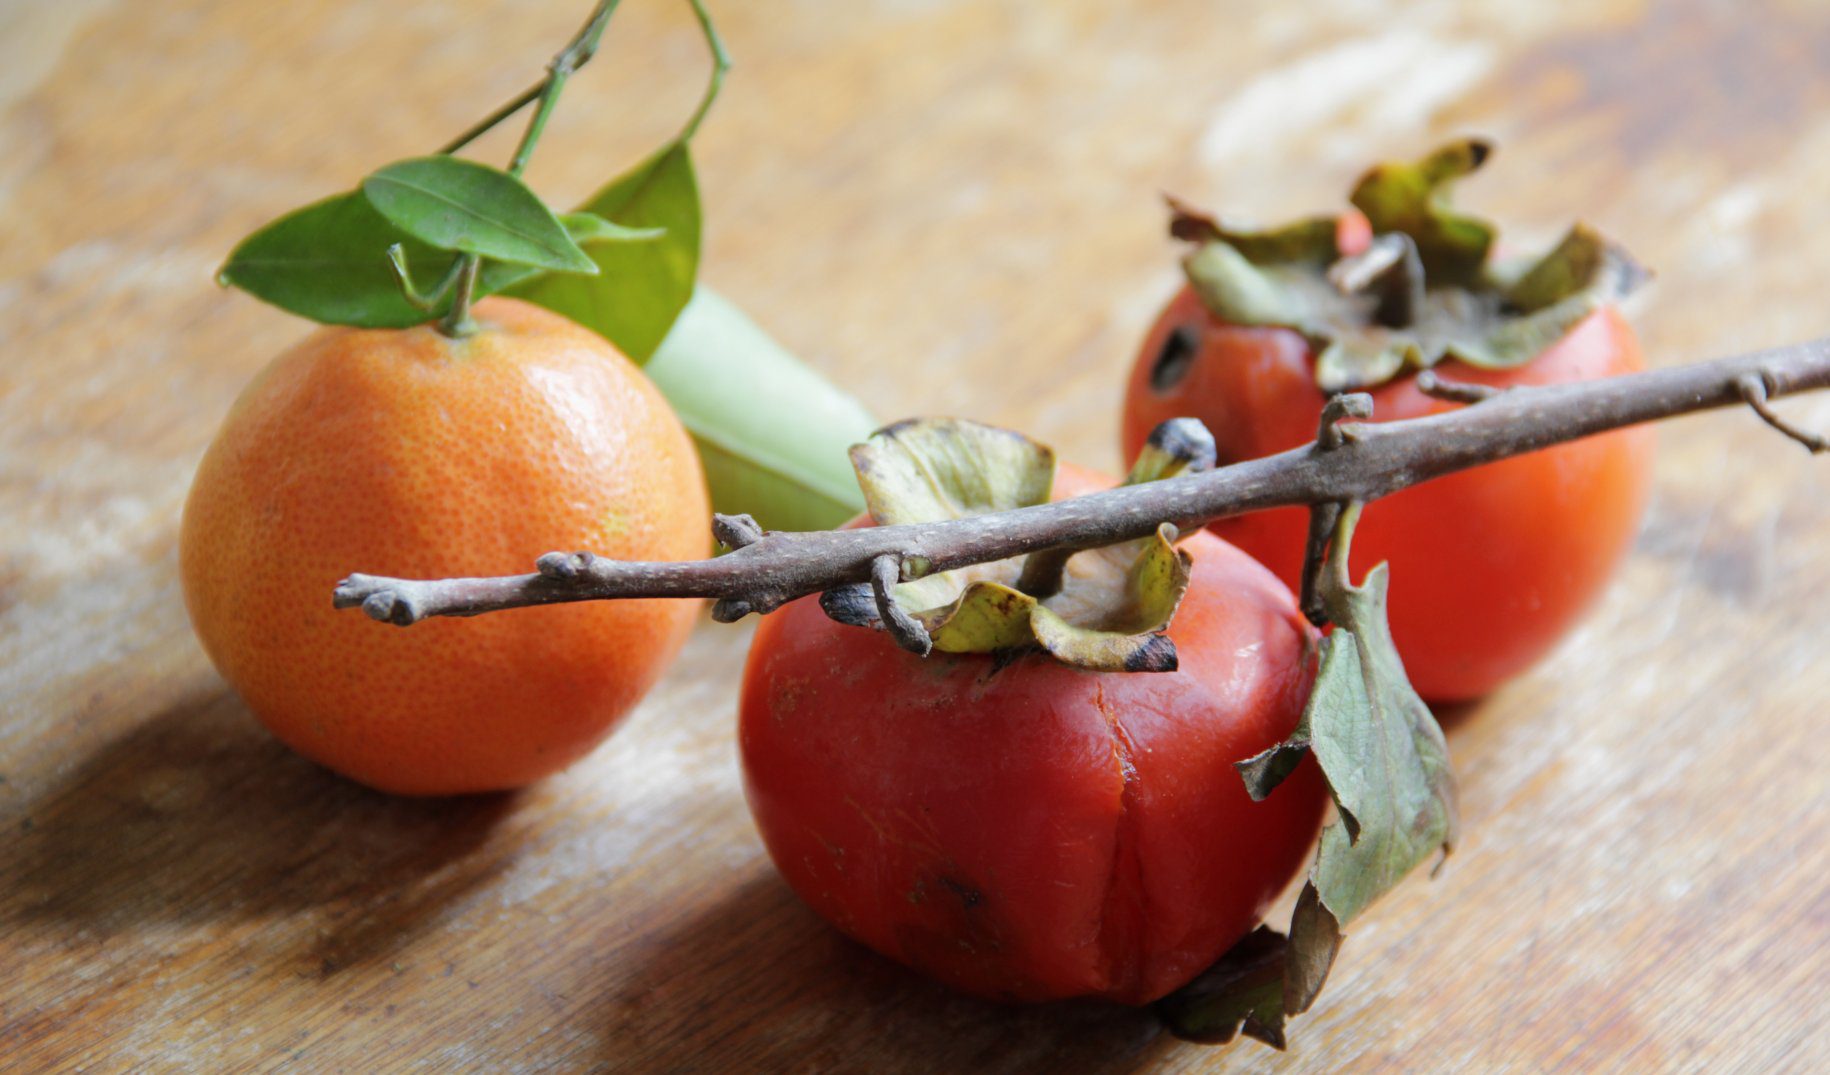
<point x="1102" y="609"/>
<point x="1427" y="287"/>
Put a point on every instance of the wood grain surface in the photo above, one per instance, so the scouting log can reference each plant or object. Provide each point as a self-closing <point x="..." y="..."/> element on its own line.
<point x="949" y="206"/>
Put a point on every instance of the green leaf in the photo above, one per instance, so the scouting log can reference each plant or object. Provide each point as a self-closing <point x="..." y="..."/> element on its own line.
<point x="641" y="287"/>
<point x="498" y="276"/>
<point x="1307" y="239"/>
<point x="773" y="435"/>
<point x="1382" y="753"/>
<point x="1380" y="750"/>
<point x="328" y="262"/>
<point x="463" y="205"/>
<point x="586" y="228"/>
<point x="1386" y="764"/>
<point x="1120" y="634"/>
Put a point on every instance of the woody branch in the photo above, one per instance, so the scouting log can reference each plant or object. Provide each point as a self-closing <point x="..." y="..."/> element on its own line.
<point x="1351" y="461"/>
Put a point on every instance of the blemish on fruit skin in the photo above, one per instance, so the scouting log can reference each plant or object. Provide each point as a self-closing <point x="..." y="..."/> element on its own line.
<point x="1175" y="358"/>
<point x="969" y="897"/>
<point x="616" y="525"/>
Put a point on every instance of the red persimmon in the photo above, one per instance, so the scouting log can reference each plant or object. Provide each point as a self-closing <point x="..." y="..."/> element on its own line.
<point x="1490" y="567"/>
<point x="1024" y="830"/>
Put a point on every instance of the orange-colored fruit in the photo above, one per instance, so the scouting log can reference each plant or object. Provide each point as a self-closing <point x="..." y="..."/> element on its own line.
<point x="404" y="453"/>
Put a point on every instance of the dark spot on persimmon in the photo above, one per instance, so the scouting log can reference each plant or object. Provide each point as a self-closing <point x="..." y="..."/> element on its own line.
<point x="969" y="897"/>
<point x="1176" y="357"/>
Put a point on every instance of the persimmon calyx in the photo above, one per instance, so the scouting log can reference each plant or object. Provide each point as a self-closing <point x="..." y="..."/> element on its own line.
<point x="1103" y="609"/>
<point x="1387" y="767"/>
<point x="1427" y="289"/>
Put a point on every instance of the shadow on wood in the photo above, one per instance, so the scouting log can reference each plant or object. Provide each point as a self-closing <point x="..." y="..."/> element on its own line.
<point x="197" y="816"/>
<point x="753" y="979"/>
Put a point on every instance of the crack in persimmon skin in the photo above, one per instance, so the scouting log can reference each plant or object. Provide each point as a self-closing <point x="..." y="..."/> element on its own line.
<point x="1121" y="911"/>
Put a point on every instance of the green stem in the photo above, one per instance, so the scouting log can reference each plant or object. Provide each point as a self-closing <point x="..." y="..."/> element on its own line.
<point x="1341" y="547"/>
<point x="570" y="59"/>
<point x="403" y="274"/>
<point x="721" y="62"/>
<point x="457" y="321"/>
<point x="489" y="122"/>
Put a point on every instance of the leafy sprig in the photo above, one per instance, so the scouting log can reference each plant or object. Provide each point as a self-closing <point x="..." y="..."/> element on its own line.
<point x="623" y="265"/>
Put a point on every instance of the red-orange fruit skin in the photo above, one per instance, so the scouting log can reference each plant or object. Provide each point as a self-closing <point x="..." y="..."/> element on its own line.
<point x="1490" y="567"/>
<point x="1035" y="832"/>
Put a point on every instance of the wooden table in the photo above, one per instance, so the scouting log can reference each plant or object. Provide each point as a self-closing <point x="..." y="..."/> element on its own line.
<point x="967" y="189"/>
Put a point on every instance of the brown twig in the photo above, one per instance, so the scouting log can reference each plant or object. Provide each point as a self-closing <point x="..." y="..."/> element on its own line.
<point x="1358" y="462"/>
<point x="1432" y="384"/>
<point x="1754" y="390"/>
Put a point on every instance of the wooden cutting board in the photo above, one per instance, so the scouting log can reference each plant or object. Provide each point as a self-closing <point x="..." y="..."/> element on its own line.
<point x="968" y="190"/>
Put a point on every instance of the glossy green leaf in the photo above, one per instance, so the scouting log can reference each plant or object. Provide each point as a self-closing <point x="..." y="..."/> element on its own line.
<point x="772" y="434"/>
<point x="328" y="262"/>
<point x="641" y="287"/>
<point x="455" y="204"/>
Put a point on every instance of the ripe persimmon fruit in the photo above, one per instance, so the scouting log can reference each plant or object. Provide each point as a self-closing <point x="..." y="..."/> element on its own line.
<point x="1023" y="830"/>
<point x="410" y="453"/>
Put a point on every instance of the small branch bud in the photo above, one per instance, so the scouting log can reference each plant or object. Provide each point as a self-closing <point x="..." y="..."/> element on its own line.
<point x="1437" y="387"/>
<point x="565" y="566"/>
<point x="1330" y="434"/>
<point x="730" y="609"/>
<point x="736" y="531"/>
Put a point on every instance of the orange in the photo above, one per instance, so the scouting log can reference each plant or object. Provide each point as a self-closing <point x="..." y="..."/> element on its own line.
<point x="405" y="453"/>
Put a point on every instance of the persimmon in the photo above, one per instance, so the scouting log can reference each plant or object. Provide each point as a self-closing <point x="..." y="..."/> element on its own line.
<point x="1025" y="830"/>
<point x="1492" y="567"/>
<point x="428" y="455"/>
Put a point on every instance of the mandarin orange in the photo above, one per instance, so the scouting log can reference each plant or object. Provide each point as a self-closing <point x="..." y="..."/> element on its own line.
<point x="407" y="453"/>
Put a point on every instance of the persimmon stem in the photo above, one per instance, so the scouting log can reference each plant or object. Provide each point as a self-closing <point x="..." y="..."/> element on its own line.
<point x="1361" y="462"/>
<point x="1324" y="516"/>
